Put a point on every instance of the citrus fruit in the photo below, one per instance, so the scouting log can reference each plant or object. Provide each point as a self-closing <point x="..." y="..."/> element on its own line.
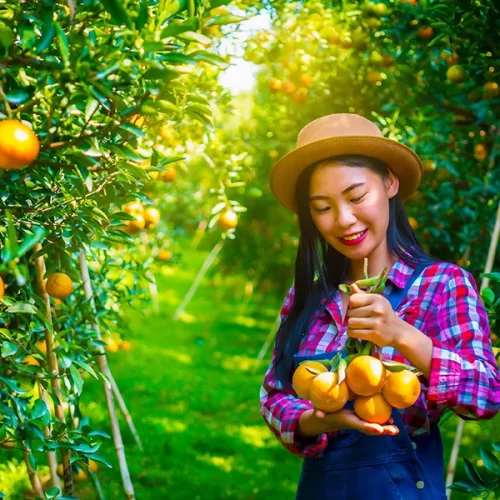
<point x="134" y="226"/>
<point x="59" y="286"/>
<point x="151" y="217"/>
<point x="169" y="175"/>
<point x="304" y="375"/>
<point x="365" y="375"/>
<point x="19" y="145"/>
<point x="401" y="389"/>
<point x="228" y="219"/>
<point x="374" y="409"/>
<point x="125" y="345"/>
<point x="425" y="33"/>
<point x="30" y="360"/>
<point x="275" y="84"/>
<point x="480" y="152"/>
<point x="456" y="73"/>
<point x="164" y="255"/>
<point x="327" y="394"/>
<point x="413" y="223"/>
<point x="134" y="207"/>
<point x="2" y="288"/>
<point x="429" y="165"/>
<point x="491" y="89"/>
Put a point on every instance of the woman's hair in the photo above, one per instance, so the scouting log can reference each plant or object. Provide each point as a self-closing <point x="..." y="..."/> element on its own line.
<point x="319" y="268"/>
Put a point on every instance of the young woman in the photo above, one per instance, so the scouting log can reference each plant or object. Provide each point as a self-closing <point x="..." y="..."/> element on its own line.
<point x="346" y="182"/>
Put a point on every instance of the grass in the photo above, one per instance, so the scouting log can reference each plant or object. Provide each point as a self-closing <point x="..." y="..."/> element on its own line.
<point x="193" y="392"/>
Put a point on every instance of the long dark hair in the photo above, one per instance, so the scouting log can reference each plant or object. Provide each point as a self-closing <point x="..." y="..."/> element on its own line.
<point x="319" y="268"/>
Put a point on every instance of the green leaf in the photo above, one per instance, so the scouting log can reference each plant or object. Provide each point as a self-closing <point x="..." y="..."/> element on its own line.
<point x="18" y="97"/>
<point x="49" y="32"/>
<point x="491" y="276"/>
<point x="490" y="460"/>
<point x="63" y="44"/>
<point x="192" y="36"/>
<point x="496" y="446"/>
<point x="8" y="349"/>
<point x="463" y="486"/>
<point x="224" y="20"/>
<point x="39" y="409"/>
<point x="142" y="18"/>
<point x="133" y="129"/>
<point x="99" y="433"/>
<point x="77" y="378"/>
<point x="488" y="296"/>
<point x="118" y="12"/>
<point x="163" y="74"/>
<point x="218" y="3"/>
<point x="31" y="240"/>
<point x="32" y="460"/>
<point x="472" y="473"/>
<point x="174" y="29"/>
<point x="12" y="385"/>
<point x="7" y="36"/>
<point x="216" y="60"/>
<point x="22" y="308"/>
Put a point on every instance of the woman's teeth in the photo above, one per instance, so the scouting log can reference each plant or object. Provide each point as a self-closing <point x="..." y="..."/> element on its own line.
<point x="354" y="236"/>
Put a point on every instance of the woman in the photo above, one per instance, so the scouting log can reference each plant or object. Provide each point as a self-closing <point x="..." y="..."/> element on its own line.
<point x="346" y="182"/>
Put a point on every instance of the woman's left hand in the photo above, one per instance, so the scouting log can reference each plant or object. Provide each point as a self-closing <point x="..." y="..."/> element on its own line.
<point x="371" y="317"/>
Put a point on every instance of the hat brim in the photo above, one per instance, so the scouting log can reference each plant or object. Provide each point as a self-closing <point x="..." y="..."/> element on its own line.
<point x="403" y="162"/>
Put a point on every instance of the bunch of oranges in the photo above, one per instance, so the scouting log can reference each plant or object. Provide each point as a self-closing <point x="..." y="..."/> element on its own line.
<point x="375" y="385"/>
<point x="374" y="388"/>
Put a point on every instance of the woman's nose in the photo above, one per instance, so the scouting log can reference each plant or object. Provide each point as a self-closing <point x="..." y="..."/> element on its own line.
<point x="345" y="218"/>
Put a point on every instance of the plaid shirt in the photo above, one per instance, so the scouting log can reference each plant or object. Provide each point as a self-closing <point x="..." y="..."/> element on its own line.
<point x="444" y="304"/>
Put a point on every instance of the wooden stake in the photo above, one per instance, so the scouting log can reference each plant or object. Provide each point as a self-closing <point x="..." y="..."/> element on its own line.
<point x="201" y="273"/>
<point x="54" y="371"/>
<point x="34" y="479"/>
<point x="123" y="408"/>
<point x="460" y="427"/>
<point x="103" y="366"/>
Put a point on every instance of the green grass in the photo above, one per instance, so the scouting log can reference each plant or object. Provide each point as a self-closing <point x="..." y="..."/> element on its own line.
<point x="193" y="392"/>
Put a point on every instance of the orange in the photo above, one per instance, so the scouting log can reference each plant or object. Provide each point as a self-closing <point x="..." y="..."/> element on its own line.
<point x="306" y="80"/>
<point x="300" y="95"/>
<point x="30" y="360"/>
<point x="126" y="345"/>
<point x="228" y="219"/>
<point x="112" y="346"/>
<point x="151" y="217"/>
<point x="59" y="286"/>
<point x="134" y="226"/>
<point x="327" y="394"/>
<point x="413" y="223"/>
<point x="137" y="120"/>
<point x="401" y="389"/>
<point x="167" y="133"/>
<point x="164" y="255"/>
<point x="169" y="175"/>
<point x="134" y="207"/>
<point x="480" y="152"/>
<point x="374" y="409"/>
<point x="2" y="288"/>
<point x="491" y="89"/>
<point x="365" y="375"/>
<point x="429" y="165"/>
<point x="373" y="77"/>
<point x="425" y="33"/>
<point x="411" y="2"/>
<point x="289" y="87"/>
<point x="275" y="84"/>
<point x="456" y="73"/>
<point x="19" y="145"/>
<point x="304" y="375"/>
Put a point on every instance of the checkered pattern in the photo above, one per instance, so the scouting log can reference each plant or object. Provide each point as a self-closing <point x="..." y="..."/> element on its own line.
<point x="444" y="304"/>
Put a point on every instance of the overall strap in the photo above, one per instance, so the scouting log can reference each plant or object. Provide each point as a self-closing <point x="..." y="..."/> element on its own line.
<point x="397" y="295"/>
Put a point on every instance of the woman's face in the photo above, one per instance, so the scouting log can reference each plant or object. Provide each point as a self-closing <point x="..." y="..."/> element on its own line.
<point x="350" y="208"/>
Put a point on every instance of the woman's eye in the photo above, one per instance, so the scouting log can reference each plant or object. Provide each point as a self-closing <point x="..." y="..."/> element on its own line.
<point x="323" y="209"/>
<point x="357" y="200"/>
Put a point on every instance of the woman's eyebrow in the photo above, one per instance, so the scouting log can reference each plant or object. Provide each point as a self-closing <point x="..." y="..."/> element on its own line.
<point x="350" y="188"/>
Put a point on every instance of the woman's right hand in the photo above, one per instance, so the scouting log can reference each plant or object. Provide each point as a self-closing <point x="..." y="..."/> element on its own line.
<point x="315" y="422"/>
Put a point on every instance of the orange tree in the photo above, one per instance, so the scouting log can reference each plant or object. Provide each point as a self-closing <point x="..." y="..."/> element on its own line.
<point x="87" y="92"/>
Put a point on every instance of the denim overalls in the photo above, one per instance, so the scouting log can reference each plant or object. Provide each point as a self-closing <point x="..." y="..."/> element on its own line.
<point x="357" y="466"/>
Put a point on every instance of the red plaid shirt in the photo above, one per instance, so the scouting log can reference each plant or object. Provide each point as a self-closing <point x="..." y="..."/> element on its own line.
<point x="444" y="304"/>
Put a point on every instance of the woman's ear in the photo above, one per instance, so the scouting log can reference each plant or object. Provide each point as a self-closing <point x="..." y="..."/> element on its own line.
<point x="392" y="185"/>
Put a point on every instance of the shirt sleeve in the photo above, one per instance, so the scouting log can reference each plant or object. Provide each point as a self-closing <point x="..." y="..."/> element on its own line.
<point x="464" y="375"/>
<point x="282" y="408"/>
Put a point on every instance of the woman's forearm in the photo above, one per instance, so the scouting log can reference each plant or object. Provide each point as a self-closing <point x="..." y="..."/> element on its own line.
<point x="415" y="346"/>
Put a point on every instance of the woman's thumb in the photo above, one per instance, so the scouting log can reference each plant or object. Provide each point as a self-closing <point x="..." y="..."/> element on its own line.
<point x="355" y="288"/>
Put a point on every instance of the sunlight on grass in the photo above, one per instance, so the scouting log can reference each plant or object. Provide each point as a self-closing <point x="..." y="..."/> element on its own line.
<point x="224" y="463"/>
<point x="250" y="322"/>
<point x="168" y="424"/>
<point x="170" y="353"/>
<point x="254" y="435"/>
<point x="187" y="318"/>
<point x="238" y="363"/>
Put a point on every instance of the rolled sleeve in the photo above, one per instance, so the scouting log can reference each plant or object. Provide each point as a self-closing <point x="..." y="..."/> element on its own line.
<point x="463" y="375"/>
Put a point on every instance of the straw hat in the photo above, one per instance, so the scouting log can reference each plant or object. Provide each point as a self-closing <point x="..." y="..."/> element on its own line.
<point x="343" y="134"/>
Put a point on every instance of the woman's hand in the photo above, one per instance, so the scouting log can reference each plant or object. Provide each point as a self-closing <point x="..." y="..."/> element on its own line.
<point x="371" y="317"/>
<point x="315" y="422"/>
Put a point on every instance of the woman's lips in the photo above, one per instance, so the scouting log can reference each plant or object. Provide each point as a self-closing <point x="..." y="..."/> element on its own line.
<point x="357" y="241"/>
